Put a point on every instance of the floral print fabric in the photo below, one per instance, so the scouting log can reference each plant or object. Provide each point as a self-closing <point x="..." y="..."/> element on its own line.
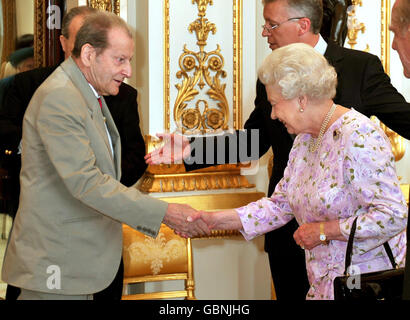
<point x="351" y="174"/>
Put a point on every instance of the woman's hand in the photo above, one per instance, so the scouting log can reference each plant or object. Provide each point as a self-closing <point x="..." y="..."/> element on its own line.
<point x="219" y="220"/>
<point x="307" y="236"/>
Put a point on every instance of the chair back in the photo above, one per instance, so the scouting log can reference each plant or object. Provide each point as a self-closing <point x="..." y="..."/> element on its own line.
<point x="168" y="257"/>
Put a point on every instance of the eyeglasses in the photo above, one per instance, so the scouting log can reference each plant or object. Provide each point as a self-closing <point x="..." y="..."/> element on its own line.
<point x="269" y="29"/>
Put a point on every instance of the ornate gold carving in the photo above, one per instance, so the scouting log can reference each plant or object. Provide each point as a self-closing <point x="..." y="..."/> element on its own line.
<point x="353" y="25"/>
<point x="237" y="62"/>
<point x="196" y="69"/>
<point x="174" y="178"/>
<point x="105" y="5"/>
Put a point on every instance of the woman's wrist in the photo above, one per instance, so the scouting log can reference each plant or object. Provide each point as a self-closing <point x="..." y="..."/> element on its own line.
<point x="332" y="230"/>
<point x="222" y="220"/>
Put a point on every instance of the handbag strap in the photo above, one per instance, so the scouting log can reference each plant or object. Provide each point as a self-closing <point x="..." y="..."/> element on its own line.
<point x="349" y="249"/>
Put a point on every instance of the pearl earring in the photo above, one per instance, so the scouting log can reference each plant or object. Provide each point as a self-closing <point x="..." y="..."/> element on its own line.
<point x="301" y="109"/>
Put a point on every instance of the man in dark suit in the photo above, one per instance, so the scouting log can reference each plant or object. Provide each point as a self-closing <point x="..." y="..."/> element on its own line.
<point x="362" y="85"/>
<point x="400" y="26"/>
<point x="123" y="108"/>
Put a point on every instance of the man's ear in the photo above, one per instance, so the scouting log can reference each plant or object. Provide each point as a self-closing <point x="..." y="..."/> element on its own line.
<point x="304" y="25"/>
<point x="88" y="54"/>
<point x="63" y="42"/>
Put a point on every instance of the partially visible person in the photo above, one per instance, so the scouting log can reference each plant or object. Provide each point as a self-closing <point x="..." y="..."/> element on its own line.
<point x="72" y="205"/>
<point x="286" y="22"/>
<point x="400" y="26"/>
<point x="20" y="60"/>
<point x="334" y="26"/>
<point x="123" y="108"/>
<point x="341" y="166"/>
<point x="24" y="41"/>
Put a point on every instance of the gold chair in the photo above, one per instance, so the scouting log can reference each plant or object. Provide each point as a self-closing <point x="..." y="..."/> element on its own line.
<point x="168" y="257"/>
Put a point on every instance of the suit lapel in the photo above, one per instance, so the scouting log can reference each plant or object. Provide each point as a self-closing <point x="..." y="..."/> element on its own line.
<point x="334" y="55"/>
<point x="97" y="115"/>
<point x="115" y="137"/>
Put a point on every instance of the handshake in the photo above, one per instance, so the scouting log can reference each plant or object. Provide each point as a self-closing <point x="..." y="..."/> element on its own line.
<point x="188" y="222"/>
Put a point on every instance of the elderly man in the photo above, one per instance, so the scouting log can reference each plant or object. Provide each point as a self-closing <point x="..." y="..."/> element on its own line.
<point x="400" y="26"/>
<point x="362" y="85"/>
<point x="123" y="108"/>
<point x="67" y="235"/>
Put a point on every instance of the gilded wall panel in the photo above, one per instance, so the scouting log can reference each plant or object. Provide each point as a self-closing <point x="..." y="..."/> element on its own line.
<point x="203" y="65"/>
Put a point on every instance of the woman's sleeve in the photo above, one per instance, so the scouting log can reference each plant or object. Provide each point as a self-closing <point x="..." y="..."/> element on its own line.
<point x="370" y="168"/>
<point x="268" y="214"/>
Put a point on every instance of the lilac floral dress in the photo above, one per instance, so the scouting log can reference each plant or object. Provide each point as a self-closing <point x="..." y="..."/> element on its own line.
<point x="351" y="174"/>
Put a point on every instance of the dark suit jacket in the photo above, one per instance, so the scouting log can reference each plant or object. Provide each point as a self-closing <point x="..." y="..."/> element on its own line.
<point x="123" y="108"/>
<point x="362" y="85"/>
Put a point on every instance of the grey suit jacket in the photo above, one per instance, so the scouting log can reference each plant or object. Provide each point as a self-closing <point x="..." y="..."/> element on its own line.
<point x="72" y="205"/>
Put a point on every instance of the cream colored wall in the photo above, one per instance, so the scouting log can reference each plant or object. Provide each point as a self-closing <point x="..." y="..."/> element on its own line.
<point x="24" y="17"/>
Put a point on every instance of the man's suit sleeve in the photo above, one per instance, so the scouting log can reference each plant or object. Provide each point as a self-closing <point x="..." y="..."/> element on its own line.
<point x="63" y="129"/>
<point x="381" y="99"/>
<point x="124" y="110"/>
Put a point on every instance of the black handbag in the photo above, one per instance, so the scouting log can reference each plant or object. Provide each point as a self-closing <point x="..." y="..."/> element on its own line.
<point x="379" y="285"/>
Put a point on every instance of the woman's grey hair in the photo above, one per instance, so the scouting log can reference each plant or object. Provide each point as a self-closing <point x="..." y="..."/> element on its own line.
<point x="94" y="31"/>
<point x="299" y="70"/>
<point x="311" y="9"/>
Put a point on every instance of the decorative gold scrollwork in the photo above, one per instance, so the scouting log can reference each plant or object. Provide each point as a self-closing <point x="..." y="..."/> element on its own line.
<point x="105" y="5"/>
<point x="353" y="25"/>
<point x="201" y="69"/>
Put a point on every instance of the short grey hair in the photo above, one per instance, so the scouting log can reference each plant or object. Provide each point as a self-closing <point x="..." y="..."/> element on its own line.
<point x="311" y="9"/>
<point x="403" y="14"/>
<point x="95" y="29"/>
<point x="299" y="70"/>
<point x="70" y="15"/>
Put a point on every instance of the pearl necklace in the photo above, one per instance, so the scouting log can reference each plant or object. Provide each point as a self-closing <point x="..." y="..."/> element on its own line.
<point x="314" y="145"/>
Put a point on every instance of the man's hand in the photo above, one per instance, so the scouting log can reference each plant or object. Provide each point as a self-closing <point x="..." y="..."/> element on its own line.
<point x="185" y="221"/>
<point x="176" y="148"/>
